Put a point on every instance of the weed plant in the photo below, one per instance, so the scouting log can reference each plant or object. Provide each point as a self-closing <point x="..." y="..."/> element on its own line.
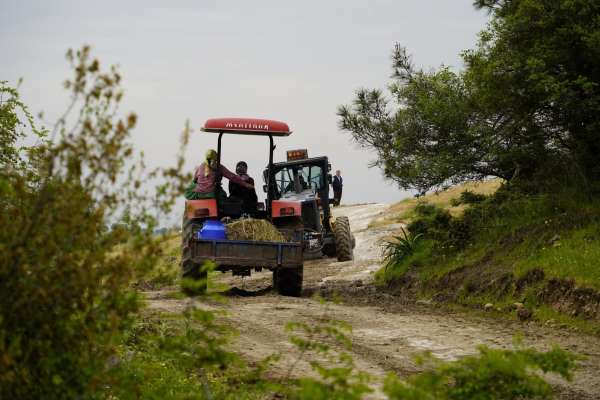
<point x="399" y="247"/>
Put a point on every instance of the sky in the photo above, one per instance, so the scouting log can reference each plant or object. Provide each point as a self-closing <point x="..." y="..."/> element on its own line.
<point x="193" y="60"/>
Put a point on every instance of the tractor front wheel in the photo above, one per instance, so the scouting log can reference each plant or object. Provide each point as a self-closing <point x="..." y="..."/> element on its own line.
<point x="344" y="241"/>
<point x="288" y="281"/>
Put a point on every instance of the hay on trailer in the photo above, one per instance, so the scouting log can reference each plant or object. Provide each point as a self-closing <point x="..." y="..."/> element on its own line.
<point x="254" y="229"/>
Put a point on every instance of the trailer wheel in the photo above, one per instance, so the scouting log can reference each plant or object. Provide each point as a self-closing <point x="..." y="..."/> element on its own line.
<point x="288" y="281"/>
<point x="189" y="269"/>
<point x="343" y="239"/>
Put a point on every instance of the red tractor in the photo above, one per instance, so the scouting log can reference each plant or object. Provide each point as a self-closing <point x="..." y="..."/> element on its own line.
<point x="304" y="220"/>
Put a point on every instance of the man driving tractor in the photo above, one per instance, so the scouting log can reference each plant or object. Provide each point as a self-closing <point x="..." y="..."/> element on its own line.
<point x="207" y="177"/>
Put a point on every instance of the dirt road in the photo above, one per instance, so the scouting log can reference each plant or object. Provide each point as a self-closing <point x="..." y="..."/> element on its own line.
<point x="386" y="333"/>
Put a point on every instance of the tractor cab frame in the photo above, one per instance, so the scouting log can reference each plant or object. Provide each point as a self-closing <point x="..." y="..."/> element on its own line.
<point x="306" y="181"/>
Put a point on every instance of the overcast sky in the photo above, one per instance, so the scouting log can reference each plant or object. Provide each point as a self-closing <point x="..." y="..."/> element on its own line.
<point x="290" y="61"/>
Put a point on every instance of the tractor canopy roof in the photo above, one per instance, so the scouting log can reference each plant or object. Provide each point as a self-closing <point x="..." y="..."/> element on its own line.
<point x="247" y="126"/>
<point x="306" y="161"/>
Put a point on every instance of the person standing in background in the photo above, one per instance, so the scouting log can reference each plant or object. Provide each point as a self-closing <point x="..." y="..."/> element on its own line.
<point x="338" y="184"/>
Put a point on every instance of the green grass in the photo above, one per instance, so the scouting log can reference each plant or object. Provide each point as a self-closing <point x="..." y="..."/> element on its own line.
<point x="575" y="255"/>
<point x="165" y="356"/>
<point x="417" y="259"/>
<point x="509" y="233"/>
<point x="545" y="314"/>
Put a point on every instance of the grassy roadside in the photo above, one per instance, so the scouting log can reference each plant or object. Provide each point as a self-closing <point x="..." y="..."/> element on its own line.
<point x="542" y="251"/>
<point x="167" y="270"/>
<point x="183" y="356"/>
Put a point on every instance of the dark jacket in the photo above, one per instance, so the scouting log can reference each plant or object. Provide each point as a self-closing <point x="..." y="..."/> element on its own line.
<point x="338" y="183"/>
<point x="248" y="196"/>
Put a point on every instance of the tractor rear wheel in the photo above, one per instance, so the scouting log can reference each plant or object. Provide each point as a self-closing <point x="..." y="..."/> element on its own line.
<point x="288" y="281"/>
<point x="189" y="269"/>
<point x="343" y="239"/>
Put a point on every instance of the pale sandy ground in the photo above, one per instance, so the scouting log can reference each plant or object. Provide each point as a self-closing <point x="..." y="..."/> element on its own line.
<point x="385" y="337"/>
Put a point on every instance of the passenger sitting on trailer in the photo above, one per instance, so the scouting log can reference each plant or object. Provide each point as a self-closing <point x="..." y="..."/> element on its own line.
<point x="208" y="177"/>
<point x="247" y="195"/>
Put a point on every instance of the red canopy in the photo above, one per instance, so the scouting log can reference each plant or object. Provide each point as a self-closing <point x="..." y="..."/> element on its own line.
<point x="247" y="126"/>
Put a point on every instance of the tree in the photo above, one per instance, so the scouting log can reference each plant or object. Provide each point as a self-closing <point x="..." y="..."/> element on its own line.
<point x="526" y="105"/>
<point x="538" y="63"/>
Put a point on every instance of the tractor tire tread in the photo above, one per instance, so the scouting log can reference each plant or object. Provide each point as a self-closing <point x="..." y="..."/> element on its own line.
<point x="344" y="240"/>
<point x="189" y="269"/>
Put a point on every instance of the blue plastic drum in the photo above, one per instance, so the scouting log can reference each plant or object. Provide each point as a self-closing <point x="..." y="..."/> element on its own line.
<point x="213" y="230"/>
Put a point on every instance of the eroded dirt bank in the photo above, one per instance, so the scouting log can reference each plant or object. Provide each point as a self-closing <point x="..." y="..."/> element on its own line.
<point x="386" y="331"/>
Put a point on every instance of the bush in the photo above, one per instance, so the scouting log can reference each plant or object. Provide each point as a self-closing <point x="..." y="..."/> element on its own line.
<point x="468" y="197"/>
<point x="437" y="224"/>
<point x="65" y="295"/>
<point x="424" y="209"/>
<point x="433" y="223"/>
<point x="493" y="374"/>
